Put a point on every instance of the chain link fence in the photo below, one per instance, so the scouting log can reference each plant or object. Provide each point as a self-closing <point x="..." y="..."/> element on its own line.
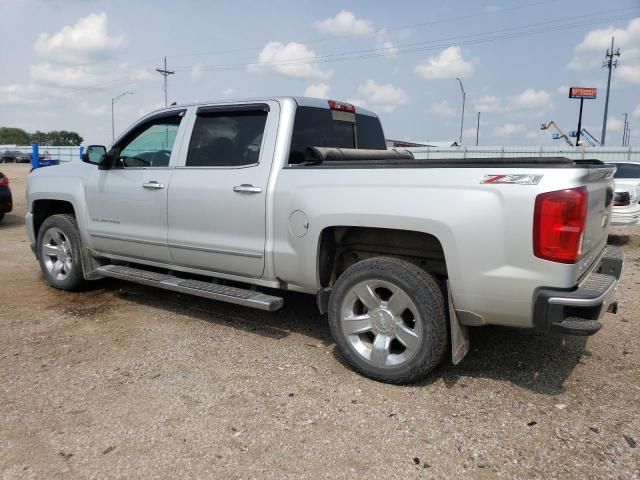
<point x="606" y="154"/>
<point x="8" y="153"/>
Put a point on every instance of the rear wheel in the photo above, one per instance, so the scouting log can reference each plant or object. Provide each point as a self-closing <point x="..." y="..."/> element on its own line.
<point x="388" y="319"/>
<point x="59" y="252"/>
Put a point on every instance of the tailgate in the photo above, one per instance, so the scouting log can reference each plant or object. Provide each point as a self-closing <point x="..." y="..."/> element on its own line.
<point x="600" y="186"/>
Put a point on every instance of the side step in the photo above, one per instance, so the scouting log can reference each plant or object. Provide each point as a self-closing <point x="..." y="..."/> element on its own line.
<point x="239" y="296"/>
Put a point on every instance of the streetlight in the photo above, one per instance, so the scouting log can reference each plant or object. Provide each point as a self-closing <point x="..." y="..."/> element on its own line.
<point x="113" y="101"/>
<point x="464" y="98"/>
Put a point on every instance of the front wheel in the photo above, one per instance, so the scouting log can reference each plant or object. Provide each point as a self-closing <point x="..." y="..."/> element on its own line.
<point x="388" y="319"/>
<point x="59" y="252"/>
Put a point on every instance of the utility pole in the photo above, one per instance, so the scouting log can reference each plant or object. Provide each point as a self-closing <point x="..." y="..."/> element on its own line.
<point x="464" y="98"/>
<point x="624" y="130"/>
<point x="610" y="62"/>
<point x="165" y="73"/>
<point x="478" y="129"/>
<point x="113" y="101"/>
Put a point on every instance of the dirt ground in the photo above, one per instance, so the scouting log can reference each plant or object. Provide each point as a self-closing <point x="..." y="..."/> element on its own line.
<point x="124" y="381"/>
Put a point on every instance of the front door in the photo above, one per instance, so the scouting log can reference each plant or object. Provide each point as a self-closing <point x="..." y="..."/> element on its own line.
<point x="127" y="204"/>
<point x="217" y="199"/>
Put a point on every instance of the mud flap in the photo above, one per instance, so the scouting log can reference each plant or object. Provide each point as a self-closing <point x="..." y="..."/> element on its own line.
<point x="459" y="333"/>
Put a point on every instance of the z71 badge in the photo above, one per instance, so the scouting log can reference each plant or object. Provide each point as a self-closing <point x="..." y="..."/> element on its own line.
<point x="517" y="179"/>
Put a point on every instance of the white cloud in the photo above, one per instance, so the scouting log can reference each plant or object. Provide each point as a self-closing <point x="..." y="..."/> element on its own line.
<point x="492" y="8"/>
<point x="227" y="92"/>
<point x="17" y="94"/>
<point x="291" y="59"/>
<point x="531" y="99"/>
<point x="614" y="124"/>
<point x="630" y="73"/>
<point x="320" y="90"/>
<point x="387" y="47"/>
<point x="385" y="98"/>
<point x="589" y="53"/>
<point x="345" y="23"/>
<point x="447" y="64"/>
<point x="488" y="103"/>
<point x="92" y="110"/>
<point x="86" y="41"/>
<point x="443" y="109"/>
<point x="196" y="72"/>
<point x="563" y="90"/>
<point x="66" y="76"/>
<point x="509" y="129"/>
<point x="636" y="112"/>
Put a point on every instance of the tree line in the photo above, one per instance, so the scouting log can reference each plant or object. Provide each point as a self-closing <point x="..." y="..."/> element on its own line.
<point x="18" y="136"/>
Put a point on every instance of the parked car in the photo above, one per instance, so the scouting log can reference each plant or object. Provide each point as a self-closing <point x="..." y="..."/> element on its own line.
<point x="626" y="205"/>
<point x="6" y="200"/>
<point x="301" y="194"/>
<point x="15" y="156"/>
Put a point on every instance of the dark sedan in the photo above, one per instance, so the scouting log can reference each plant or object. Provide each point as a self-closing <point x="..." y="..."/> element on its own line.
<point x="15" y="156"/>
<point x="6" y="200"/>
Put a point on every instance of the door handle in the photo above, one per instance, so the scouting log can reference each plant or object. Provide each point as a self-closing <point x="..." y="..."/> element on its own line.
<point x="246" y="188"/>
<point x="153" y="185"/>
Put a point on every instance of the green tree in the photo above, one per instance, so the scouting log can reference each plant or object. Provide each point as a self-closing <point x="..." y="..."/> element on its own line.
<point x="63" y="137"/>
<point x="13" y="136"/>
<point x="39" y="137"/>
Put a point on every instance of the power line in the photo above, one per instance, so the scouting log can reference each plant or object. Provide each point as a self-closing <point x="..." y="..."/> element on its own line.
<point x="372" y="34"/>
<point x="165" y="73"/>
<point x="473" y="39"/>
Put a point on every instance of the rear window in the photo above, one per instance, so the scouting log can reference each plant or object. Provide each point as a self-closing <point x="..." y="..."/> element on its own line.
<point x="316" y="127"/>
<point x="627" y="170"/>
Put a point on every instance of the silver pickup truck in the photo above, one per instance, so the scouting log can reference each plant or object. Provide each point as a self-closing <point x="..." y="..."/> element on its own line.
<point x="236" y="201"/>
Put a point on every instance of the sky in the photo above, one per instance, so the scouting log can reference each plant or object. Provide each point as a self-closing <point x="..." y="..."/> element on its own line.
<point x="62" y="62"/>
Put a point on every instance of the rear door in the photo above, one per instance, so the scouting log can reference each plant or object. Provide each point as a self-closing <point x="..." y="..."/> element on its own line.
<point x="217" y="197"/>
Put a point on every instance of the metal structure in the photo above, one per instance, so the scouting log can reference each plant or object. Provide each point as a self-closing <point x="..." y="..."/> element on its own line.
<point x="464" y="98"/>
<point x="165" y="73"/>
<point x="113" y="101"/>
<point x="626" y="131"/>
<point x="478" y="129"/>
<point x="591" y="140"/>
<point x="610" y="62"/>
<point x="559" y="135"/>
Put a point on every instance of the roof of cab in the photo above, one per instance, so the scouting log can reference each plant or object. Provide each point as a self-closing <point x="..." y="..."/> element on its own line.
<point x="301" y="101"/>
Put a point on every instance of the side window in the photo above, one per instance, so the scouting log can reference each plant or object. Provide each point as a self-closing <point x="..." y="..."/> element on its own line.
<point x="627" y="170"/>
<point x="226" y="139"/>
<point x="150" y="144"/>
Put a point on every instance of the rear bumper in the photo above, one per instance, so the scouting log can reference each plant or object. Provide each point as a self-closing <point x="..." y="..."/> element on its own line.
<point x="626" y="215"/>
<point x="579" y="311"/>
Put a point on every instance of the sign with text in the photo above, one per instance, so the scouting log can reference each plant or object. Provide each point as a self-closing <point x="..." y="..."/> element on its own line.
<point x="583" y="92"/>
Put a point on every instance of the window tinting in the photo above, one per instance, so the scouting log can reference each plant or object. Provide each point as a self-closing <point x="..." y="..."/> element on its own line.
<point x="315" y="127"/>
<point x="226" y="139"/>
<point x="627" y="170"/>
<point x="150" y="144"/>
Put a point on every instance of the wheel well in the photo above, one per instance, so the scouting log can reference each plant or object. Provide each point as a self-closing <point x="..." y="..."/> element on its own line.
<point x="341" y="247"/>
<point x="42" y="209"/>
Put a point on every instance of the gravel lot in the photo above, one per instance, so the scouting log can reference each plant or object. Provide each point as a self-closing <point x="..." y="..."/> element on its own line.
<point x="123" y="381"/>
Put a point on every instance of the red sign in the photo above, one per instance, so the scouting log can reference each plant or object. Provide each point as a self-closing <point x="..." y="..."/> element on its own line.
<point x="583" y="92"/>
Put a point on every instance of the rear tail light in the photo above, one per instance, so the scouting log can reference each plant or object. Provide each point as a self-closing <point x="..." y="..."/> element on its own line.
<point x="621" y="199"/>
<point x="558" y="225"/>
<point x="341" y="107"/>
<point x="4" y="182"/>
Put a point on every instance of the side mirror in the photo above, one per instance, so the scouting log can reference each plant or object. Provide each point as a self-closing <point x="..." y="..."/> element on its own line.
<point x="94" y="154"/>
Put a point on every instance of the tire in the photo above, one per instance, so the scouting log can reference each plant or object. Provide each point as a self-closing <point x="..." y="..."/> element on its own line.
<point x="59" y="255"/>
<point x="388" y="319"/>
<point x="1" y="215"/>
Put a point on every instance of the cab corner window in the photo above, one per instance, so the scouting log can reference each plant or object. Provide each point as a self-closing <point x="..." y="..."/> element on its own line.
<point x="150" y="144"/>
<point x="226" y="139"/>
